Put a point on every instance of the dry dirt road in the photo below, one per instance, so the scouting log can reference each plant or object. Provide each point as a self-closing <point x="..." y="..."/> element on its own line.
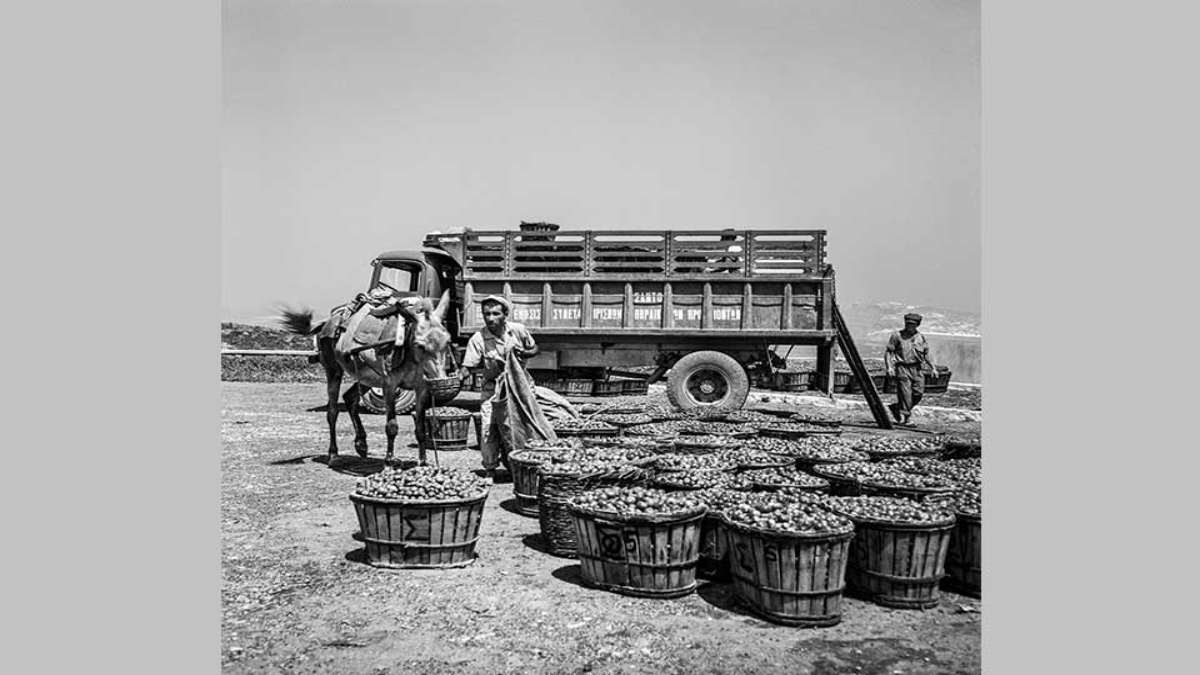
<point x="296" y="597"/>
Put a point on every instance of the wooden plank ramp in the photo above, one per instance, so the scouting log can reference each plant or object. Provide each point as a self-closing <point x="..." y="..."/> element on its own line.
<point x="846" y="344"/>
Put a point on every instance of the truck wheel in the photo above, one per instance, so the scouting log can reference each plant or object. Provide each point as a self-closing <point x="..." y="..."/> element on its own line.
<point x="372" y="399"/>
<point x="703" y="379"/>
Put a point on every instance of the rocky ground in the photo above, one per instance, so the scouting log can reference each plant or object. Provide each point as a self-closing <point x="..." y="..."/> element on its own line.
<point x="298" y="598"/>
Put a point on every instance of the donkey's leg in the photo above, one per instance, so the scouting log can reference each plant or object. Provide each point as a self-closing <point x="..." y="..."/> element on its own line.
<point x="333" y="385"/>
<point x="392" y="427"/>
<point x="351" y="397"/>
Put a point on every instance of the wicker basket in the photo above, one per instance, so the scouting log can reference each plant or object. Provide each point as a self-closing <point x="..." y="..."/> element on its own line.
<point x="555" y="491"/>
<point x="787" y="578"/>
<point x="899" y="564"/>
<point x="444" y="389"/>
<point x="434" y="534"/>
<point x="964" y="561"/>
<point x="643" y="555"/>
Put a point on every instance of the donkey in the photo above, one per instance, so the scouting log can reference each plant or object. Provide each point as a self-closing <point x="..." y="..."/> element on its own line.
<point x="422" y="356"/>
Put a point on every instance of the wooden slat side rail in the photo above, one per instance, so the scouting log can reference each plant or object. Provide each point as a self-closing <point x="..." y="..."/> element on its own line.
<point x="850" y="351"/>
<point x="734" y="252"/>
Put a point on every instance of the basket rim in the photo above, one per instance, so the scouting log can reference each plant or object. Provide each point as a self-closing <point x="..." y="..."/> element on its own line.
<point x="886" y="486"/>
<point x="779" y="486"/>
<point x="355" y="497"/>
<point x="896" y="524"/>
<point x="750" y="529"/>
<point x="594" y="474"/>
<point x="692" y="513"/>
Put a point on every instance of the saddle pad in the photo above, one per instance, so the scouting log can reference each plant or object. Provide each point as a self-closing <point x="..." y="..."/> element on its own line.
<point x="373" y="330"/>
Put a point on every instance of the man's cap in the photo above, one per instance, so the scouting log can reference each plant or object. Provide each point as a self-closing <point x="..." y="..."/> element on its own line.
<point x="912" y="318"/>
<point x="496" y="298"/>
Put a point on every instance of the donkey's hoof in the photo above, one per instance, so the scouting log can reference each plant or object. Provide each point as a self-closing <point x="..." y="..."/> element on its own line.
<point x="361" y="448"/>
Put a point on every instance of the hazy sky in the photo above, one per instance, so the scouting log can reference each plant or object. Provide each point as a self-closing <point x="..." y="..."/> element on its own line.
<point x="354" y="127"/>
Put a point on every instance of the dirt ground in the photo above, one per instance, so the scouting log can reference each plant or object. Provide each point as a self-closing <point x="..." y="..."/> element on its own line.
<point x="297" y="598"/>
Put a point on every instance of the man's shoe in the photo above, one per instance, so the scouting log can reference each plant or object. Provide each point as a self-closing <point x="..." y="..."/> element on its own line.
<point x="895" y="410"/>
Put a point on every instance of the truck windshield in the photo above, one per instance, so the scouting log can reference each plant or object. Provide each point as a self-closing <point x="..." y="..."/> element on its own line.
<point x="398" y="277"/>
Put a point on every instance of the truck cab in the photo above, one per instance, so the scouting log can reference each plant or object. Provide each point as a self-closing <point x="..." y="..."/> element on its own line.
<point x="424" y="272"/>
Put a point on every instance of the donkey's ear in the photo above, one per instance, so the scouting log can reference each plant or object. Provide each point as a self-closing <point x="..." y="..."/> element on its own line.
<point x="439" y="312"/>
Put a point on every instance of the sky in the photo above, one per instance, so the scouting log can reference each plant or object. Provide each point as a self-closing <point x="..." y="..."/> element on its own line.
<point x="354" y="127"/>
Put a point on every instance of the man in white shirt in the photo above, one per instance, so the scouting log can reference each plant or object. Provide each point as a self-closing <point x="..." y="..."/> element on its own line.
<point x="486" y="352"/>
<point x="907" y="358"/>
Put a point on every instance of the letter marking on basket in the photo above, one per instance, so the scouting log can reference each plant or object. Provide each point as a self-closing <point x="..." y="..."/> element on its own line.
<point x="416" y="526"/>
<point x="611" y="545"/>
<point x="631" y="544"/>
<point x="742" y="558"/>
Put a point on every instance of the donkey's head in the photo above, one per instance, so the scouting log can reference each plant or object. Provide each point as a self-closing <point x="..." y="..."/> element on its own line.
<point x="428" y="340"/>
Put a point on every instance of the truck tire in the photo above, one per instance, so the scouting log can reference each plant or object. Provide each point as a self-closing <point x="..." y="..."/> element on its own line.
<point x="372" y="400"/>
<point x="707" y="379"/>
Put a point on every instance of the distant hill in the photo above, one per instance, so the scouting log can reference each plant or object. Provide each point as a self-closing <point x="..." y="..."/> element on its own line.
<point x="244" y="336"/>
<point x="872" y="322"/>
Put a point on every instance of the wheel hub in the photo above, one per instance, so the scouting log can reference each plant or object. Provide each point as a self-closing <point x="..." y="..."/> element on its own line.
<point x="707" y="386"/>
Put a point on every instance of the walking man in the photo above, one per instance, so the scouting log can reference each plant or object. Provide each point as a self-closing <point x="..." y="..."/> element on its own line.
<point x="487" y="352"/>
<point x="907" y="359"/>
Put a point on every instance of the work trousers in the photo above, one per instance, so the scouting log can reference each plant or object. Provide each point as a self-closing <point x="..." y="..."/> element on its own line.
<point x="910" y="387"/>
<point x="492" y="445"/>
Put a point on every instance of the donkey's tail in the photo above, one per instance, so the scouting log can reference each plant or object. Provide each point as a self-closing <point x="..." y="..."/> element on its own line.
<point x="299" y="321"/>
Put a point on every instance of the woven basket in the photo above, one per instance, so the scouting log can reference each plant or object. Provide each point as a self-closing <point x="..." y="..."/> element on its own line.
<point x="555" y="491"/>
<point x="444" y="389"/>
<point x="642" y="555"/>
<point x="787" y="578"/>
